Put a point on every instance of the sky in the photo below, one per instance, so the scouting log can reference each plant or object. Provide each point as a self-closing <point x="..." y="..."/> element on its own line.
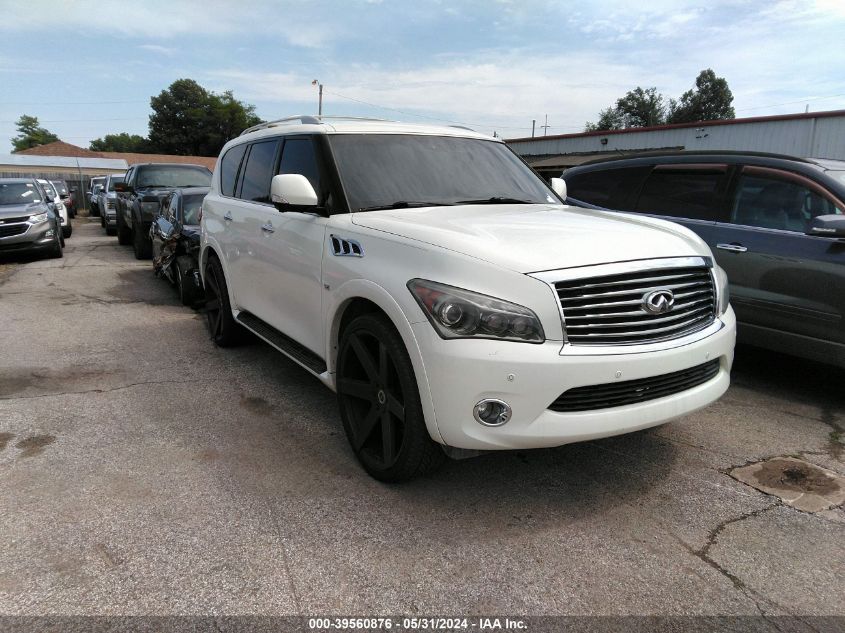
<point x="87" y="68"/>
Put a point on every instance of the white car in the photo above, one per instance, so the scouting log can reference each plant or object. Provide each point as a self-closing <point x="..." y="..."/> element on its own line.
<point x="61" y="209"/>
<point x="450" y="298"/>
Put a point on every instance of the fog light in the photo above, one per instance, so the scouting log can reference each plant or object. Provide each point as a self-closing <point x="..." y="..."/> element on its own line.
<point x="492" y="412"/>
<point x="49" y="233"/>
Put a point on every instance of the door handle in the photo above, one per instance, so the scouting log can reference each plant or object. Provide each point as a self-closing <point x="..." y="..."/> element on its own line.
<point x="734" y="248"/>
<point x="227" y="216"/>
<point x="267" y="227"/>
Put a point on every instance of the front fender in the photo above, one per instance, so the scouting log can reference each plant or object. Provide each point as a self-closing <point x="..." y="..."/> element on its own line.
<point x="339" y="300"/>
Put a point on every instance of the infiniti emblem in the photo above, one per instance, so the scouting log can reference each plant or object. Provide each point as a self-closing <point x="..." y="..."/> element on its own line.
<point x="658" y="301"/>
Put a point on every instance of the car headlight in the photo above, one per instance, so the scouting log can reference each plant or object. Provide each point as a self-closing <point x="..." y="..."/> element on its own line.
<point x="723" y="294"/>
<point x="150" y="207"/>
<point x="38" y="218"/>
<point x="458" y="313"/>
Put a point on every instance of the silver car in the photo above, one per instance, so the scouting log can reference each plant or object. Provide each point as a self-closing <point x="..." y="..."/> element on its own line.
<point x="28" y="218"/>
<point x="106" y="202"/>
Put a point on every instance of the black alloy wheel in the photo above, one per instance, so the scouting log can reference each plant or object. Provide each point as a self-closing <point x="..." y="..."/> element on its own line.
<point x="225" y="332"/>
<point x="380" y="404"/>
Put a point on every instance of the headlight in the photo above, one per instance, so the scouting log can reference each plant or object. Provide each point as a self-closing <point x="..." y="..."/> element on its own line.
<point x="458" y="313"/>
<point x="37" y="218"/>
<point x="723" y="294"/>
<point x="150" y="207"/>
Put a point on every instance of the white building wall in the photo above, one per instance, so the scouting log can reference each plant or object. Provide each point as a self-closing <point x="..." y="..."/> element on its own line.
<point x="822" y="137"/>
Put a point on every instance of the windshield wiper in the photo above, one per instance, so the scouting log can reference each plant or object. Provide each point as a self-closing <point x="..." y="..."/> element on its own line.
<point x="406" y="204"/>
<point x="495" y="200"/>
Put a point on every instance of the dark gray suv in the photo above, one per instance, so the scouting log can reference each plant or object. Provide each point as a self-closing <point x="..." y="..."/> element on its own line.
<point x="776" y="224"/>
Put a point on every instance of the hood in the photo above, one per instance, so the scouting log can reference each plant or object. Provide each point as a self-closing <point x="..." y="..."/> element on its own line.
<point x="533" y="238"/>
<point x="20" y="210"/>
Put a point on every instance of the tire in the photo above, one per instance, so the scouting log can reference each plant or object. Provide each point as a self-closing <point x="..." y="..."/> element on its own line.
<point x="224" y="330"/>
<point x="67" y="231"/>
<point x="141" y="245"/>
<point x="380" y="402"/>
<point x="124" y="234"/>
<point x="111" y="230"/>
<point x="95" y="210"/>
<point x="62" y="239"/>
<point x="184" y="284"/>
<point x="103" y="220"/>
<point x="58" y="247"/>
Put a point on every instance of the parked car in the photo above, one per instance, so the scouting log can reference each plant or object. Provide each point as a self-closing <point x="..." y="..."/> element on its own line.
<point x="94" y="188"/>
<point x="175" y="236"/>
<point x="775" y="224"/>
<point x="107" y="203"/>
<point x="449" y="297"/>
<point x="144" y="187"/>
<point x="64" y="193"/>
<point x="28" y="220"/>
<point x="52" y="194"/>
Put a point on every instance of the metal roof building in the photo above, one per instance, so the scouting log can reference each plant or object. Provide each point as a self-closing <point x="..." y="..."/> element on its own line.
<point x="14" y="165"/>
<point x="816" y="135"/>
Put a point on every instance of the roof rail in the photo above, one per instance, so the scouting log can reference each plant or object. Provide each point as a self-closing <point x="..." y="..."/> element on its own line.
<point x="305" y="119"/>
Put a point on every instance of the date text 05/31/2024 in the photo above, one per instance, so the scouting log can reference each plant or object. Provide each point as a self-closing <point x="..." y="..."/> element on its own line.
<point x="431" y="624"/>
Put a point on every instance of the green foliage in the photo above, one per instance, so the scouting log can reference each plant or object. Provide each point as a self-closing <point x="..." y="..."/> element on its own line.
<point x="187" y="119"/>
<point x="710" y="100"/>
<point x="31" y="134"/>
<point x="122" y="142"/>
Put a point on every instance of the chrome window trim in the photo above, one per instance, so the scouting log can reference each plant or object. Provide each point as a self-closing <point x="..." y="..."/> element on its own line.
<point x="550" y="277"/>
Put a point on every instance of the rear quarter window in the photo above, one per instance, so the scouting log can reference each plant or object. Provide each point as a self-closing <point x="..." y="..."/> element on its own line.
<point x="229" y="166"/>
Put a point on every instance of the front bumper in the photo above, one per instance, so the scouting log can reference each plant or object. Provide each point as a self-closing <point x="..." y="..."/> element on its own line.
<point x="36" y="237"/>
<point x="529" y="378"/>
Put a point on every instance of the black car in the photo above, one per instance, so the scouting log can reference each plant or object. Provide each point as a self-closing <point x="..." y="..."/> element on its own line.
<point x="140" y="196"/>
<point x="175" y="237"/>
<point x="775" y="223"/>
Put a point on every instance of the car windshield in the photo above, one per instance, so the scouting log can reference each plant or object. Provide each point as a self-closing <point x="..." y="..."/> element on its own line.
<point x="381" y="171"/>
<point x="190" y="208"/>
<point x="48" y="189"/>
<point x="113" y="181"/>
<point x="60" y="186"/>
<point x="18" y="193"/>
<point x="176" y="177"/>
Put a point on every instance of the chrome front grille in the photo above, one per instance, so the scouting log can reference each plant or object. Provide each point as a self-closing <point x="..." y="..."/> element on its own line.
<point x="613" y="309"/>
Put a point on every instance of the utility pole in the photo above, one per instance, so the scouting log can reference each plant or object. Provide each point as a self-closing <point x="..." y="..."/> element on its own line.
<point x="320" y="101"/>
<point x="546" y="126"/>
<point x="533" y="123"/>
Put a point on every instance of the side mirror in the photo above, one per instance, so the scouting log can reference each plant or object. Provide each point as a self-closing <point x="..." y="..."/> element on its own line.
<point x="559" y="187"/>
<point x="292" y="190"/>
<point x="121" y="187"/>
<point x="828" y="226"/>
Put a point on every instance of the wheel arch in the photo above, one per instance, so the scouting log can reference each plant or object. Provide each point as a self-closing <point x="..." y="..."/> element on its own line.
<point x="358" y="297"/>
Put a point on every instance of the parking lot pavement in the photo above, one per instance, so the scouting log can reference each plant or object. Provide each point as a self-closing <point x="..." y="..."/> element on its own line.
<point x="144" y="471"/>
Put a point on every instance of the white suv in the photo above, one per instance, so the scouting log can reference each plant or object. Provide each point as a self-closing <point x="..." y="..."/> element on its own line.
<point x="442" y="289"/>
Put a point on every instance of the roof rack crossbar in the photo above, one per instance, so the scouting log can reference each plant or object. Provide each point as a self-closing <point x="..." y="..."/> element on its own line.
<point x="305" y="119"/>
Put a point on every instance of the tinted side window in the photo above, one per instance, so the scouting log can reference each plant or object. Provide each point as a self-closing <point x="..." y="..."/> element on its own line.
<point x="778" y="203"/>
<point x="229" y="169"/>
<point x="684" y="193"/>
<point x="259" y="170"/>
<point x="173" y="208"/>
<point x="298" y="158"/>
<point x="611" y="188"/>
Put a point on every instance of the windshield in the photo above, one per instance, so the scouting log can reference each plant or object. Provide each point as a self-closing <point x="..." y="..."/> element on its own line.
<point x="18" y="193"/>
<point x="190" y="208"/>
<point x="398" y="170"/>
<point x="97" y="181"/>
<point x="60" y="186"/>
<point x="48" y="189"/>
<point x="175" y="177"/>
<point x="113" y="181"/>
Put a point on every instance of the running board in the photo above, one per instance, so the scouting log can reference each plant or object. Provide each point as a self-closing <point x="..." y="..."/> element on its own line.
<point x="282" y="342"/>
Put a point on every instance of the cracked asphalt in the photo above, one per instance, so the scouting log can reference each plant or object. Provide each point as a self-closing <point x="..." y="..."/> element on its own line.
<point x="144" y="472"/>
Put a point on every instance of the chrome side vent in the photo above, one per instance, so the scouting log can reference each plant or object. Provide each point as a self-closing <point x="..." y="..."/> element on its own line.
<point x="342" y="247"/>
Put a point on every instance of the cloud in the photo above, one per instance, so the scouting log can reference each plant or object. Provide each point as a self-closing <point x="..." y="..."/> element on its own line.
<point x="155" y="48"/>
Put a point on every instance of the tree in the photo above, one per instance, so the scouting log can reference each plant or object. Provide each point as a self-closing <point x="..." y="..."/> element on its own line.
<point x="187" y="119"/>
<point x="641" y="108"/>
<point x="31" y="134"/>
<point x="710" y="100"/>
<point x="122" y="142"/>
